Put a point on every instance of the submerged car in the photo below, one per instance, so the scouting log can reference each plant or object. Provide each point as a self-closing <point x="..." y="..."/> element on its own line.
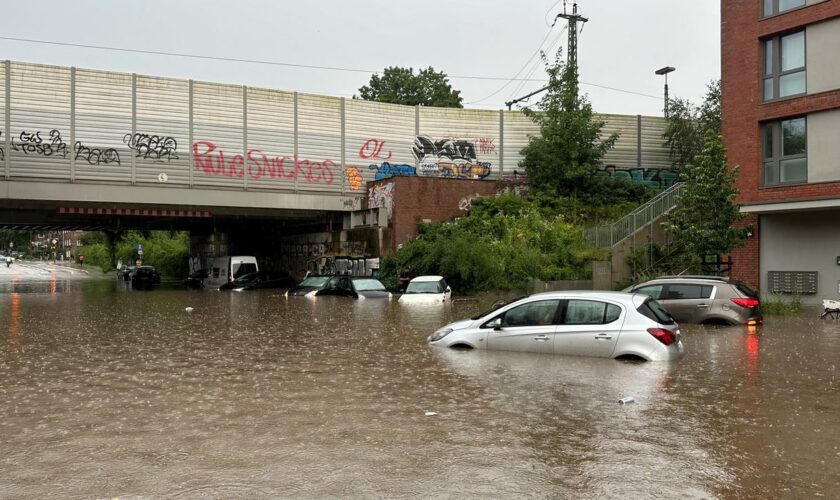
<point x="578" y="323"/>
<point x="704" y="299"/>
<point x="427" y="289"/>
<point x="144" y="277"/>
<point x="342" y="285"/>
<point x="257" y="281"/>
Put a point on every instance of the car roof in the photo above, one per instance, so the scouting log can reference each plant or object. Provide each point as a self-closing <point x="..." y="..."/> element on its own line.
<point x="354" y="278"/>
<point x="604" y="294"/>
<point x="427" y="278"/>
<point x="687" y="279"/>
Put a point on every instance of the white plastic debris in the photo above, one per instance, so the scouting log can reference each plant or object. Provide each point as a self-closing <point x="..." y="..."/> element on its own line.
<point x="189" y="309"/>
<point x="431" y="413"/>
<point x="625" y="400"/>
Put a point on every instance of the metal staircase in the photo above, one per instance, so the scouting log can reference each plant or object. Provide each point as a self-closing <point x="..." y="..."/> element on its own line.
<point x="610" y="235"/>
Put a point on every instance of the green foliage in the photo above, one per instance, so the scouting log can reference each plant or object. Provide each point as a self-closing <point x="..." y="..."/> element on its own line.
<point x="564" y="157"/>
<point x="18" y="237"/>
<point x="776" y="305"/>
<point x="168" y="252"/>
<point x="703" y="220"/>
<point x="402" y="86"/>
<point x="503" y="243"/>
<point x="96" y="254"/>
<point x="687" y="124"/>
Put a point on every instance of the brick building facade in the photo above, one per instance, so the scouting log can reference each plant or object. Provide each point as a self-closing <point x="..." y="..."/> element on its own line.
<point x="781" y="123"/>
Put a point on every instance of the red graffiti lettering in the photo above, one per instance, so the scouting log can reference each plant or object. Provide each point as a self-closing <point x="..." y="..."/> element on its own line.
<point x="485" y="145"/>
<point x="372" y="148"/>
<point x="211" y="160"/>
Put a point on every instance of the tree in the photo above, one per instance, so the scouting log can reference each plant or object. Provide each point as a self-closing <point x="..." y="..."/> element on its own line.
<point x="402" y="86"/>
<point x="703" y="220"/>
<point x="562" y="160"/>
<point x="687" y="124"/>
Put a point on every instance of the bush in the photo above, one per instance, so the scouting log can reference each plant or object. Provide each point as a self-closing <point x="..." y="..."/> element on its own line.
<point x="776" y="304"/>
<point x="168" y="252"/>
<point x="503" y="243"/>
<point x="96" y="254"/>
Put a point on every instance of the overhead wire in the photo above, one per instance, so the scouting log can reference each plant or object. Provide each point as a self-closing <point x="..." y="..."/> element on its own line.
<point x="292" y="65"/>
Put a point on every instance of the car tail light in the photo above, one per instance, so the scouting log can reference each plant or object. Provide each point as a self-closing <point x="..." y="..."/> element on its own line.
<point x="667" y="337"/>
<point x="749" y="303"/>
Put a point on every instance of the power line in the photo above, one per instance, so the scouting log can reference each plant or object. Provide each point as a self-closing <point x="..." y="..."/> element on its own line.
<point x="228" y="59"/>
<point x="276" y="63"/>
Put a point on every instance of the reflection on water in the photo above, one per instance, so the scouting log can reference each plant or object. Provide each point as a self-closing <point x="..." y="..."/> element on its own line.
<point x="105" y="391"/>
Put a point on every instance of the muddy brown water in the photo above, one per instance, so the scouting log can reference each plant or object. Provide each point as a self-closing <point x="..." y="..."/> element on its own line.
<point x="107" y="392"/>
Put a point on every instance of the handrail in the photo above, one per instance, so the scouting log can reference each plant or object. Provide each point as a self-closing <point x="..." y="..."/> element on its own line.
<point x="609" y="235"/>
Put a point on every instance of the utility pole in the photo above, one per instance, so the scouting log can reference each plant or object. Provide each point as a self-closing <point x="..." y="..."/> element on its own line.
<point x="571" y="51"/>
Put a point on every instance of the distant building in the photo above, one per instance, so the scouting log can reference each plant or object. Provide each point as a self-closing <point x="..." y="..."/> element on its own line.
<point x="780" y="72"/>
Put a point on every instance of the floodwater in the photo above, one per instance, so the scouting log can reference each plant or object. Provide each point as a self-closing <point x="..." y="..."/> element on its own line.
<point x="108" y="392"/>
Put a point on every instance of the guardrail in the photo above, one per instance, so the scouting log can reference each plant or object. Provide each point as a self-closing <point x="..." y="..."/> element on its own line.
<point x="608" y="236"/>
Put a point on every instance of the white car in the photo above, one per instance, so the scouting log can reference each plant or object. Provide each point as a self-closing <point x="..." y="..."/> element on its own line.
<point x="427" y="290"/>
<point x="578" y="323"/>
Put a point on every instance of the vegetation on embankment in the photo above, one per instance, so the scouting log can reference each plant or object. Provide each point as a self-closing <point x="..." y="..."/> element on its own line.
<point x="168" y="251"/>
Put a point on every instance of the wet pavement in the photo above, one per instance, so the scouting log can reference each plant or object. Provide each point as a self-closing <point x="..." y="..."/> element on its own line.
<point x="107" y="392"/>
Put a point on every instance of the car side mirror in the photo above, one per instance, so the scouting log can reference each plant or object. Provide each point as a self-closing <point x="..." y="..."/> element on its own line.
<point x="497" y="324"/>
<point x="448" y="289"/>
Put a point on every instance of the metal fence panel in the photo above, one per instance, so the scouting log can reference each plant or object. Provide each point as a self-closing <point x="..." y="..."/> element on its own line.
<point x="40" y="122"/>
<point x="217" y="134"/>
<point x="319" y="144"/>
<point x="458" y="143"/>
<point x="518" y="130"/>
<point x="103" y="116"/>
<point x="654" y="152"/>
<point x="271" y="142"/>
<point x="379" y="142"/>
<point x="160" y="141"/>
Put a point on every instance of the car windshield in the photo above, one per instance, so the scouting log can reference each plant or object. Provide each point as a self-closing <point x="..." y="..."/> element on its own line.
<point x="315" y="281"/>
<point x="746" y="290"/>
<point x="247" y="278"/>
<point x="424" y="287"/>
<point x="497" y="305"/>
<point x="368" y="285"/>
<point x="653" y="310"/>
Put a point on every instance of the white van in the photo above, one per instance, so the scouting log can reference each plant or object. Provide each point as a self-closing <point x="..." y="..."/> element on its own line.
<point x="227" y="268"/>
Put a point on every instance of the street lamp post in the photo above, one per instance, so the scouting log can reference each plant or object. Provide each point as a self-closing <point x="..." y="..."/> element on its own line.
<point x="665" y="71"/>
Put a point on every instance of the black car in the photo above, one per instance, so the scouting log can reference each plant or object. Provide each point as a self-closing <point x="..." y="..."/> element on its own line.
<point x="196" y="278"/>
<point x="144" y="277"/>
<point x="257" y="281"/>
<point x="347" y="286"/>
<point x="124" y="273"/>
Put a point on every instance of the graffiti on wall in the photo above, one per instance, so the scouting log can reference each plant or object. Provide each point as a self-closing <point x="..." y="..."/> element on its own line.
<point x="96" y="156"/>
<point x="382" y="196"/>
<point x="211" y="160"/>
<point x="372" y="148"/>
<point x="2" y="153"/>
<point x="656" y="178"/>
<point x="354" y="178"/>
<point x="485" y="145"/>
<point x="34" y="144"/>
<point x="386" y="170"/>
<point x="449" y="158"/>
<point x="155" y="147"/>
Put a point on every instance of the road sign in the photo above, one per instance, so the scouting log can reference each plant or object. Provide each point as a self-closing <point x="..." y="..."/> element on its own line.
<point x="139" y="249"/>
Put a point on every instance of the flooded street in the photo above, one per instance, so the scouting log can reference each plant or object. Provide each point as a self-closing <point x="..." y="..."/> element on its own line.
<point x="107" y="392"/>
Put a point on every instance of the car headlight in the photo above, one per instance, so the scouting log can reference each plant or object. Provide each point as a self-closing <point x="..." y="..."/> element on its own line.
<point x="311" y="294"/>
<point x="439" y="334"/>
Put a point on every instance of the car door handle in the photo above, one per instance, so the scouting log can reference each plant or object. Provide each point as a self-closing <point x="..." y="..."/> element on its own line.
<point x="542" y="338"/>
<point x="703" y="306"/>
<point x="603" y="336"/>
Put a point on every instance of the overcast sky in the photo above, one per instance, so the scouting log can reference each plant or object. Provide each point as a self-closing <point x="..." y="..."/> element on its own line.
<point x="620" y="47"/>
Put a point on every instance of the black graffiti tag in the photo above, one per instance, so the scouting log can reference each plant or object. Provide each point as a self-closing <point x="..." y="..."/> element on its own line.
<point x="34" y="144"/>
<point x="155" y="147"/>
<point x="443" y="149"/>
<point x="2" y="153"/>
<point x="97" y="156"/>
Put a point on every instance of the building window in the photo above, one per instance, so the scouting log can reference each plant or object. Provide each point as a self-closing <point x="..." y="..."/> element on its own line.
<point x="772" y="7"/>
<point x="784" y="147"/>
<point x="784" y="66"/>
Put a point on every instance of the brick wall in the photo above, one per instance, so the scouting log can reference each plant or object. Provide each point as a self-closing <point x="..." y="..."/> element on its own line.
<point x="437" y="199"/>
<point x="745" y="260"/>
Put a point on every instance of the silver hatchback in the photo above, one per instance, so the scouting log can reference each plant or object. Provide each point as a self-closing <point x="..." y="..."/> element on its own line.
<point x="600" y="324"/>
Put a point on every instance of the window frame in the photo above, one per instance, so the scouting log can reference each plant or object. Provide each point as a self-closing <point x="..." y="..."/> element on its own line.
<point x="565" y="309"/>
<point x="775" y="159"/>
<point x="774" y="8"/>
<point x="775" y="73"/>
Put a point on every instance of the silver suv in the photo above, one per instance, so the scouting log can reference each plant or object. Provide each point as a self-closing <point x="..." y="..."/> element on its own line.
<point x="704" y="299"/>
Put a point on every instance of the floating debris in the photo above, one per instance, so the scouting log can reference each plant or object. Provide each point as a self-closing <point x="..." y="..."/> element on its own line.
<point x="626" y="399"/>
<point x="189" y="309"/>
<point x="431" y="413"/>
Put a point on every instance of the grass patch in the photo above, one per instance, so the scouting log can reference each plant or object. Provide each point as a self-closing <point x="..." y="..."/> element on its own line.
<point x="777" y="304"/>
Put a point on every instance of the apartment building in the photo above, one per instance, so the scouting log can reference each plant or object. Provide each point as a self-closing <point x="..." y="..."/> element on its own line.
<point x="780" y="73"/>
